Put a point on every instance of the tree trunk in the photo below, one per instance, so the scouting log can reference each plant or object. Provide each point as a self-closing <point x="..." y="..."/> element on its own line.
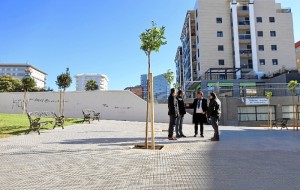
<point x="63" y="103"/>
<point x="152" y="111"/>
<point x="148" y="96"/>
<point x="59" y="109"/>
<point x="294" y="112"/>
<point x="24" y="102"/>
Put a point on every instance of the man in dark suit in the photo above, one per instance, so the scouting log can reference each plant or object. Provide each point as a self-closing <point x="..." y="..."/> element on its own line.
<point x="173" y="113"/>
<point x="200" y="109"/>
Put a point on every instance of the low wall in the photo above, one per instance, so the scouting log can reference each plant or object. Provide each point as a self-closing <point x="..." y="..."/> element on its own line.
<point x="113" y="105"/>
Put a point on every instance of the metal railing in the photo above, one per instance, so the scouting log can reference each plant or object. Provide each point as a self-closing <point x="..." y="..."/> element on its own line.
<point x="245" y="37"/>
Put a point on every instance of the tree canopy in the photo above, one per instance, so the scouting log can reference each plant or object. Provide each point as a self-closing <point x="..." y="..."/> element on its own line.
<point x="91" y="85"/>
<point x="10" y="84"/>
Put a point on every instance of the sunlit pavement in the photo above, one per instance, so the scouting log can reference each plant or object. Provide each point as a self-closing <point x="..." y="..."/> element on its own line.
<point x="100" y="156"/>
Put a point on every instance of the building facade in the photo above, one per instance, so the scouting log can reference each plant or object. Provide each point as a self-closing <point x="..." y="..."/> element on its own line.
<point x="179" y="67"/>
<point x="82" y="79"/>
<point x="19" y="71"/>
<point x="297" y="47"/>
<point x="161" y="87"/>
<point x="236" y="40"/>
<point x="137" y="90"/>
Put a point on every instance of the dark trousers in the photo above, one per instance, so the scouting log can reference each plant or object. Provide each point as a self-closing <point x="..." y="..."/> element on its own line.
<point x="171" y="125"/>
<point x="199" y="119"/>
<point x="215" y="125"/>
<point x="201" y="128"/>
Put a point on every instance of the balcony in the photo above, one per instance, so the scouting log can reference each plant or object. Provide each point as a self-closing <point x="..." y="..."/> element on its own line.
<point x="243" y="11"/>
<point x="245" y="38"/>
<point x="244" y="24"/>
<point x="246" y="53"/>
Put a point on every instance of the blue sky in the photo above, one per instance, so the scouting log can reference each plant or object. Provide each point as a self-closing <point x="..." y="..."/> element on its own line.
<point x="94" y="36"/>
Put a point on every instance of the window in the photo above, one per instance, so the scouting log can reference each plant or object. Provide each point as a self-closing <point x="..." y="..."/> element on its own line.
<point x="197" y="39"/>
<point x="287" y="112"/>
<point x="272" y="33"/>
<point x="255" y="113"/>
<point x="196" y="12"/>
<point x="220" y="48"/>
<point x="219" y="20"/>
<point x="221" y="62"/>
<point x="197" y="26"/>
<point x="259" y="19"/>
<point x="274" y="47"/>
<point x="262" y="61"/>
<point x="219" y="34"/>
<point x="272" y="19"/>
<point x="275" y="61"/>
<point x="260" y="33"/>
<point x="261" y="48"/>
<point x="198" y="53"/>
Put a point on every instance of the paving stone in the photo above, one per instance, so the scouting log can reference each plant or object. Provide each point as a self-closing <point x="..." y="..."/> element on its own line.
<point x="100" y="156"/>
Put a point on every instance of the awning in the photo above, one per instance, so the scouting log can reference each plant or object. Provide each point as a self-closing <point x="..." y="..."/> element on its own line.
<point x="248" y="84"/>
<point x="220" y="84"/>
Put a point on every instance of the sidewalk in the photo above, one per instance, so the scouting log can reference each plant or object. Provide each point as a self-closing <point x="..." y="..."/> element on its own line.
<point x="100" y="156"/>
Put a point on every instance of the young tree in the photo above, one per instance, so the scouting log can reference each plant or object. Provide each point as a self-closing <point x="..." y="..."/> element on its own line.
<point x="91" y="85"/>
<point x="28" y="84"/>
<point x="63" y="82"/>
<point x="151" y="41"/>
<point x="292" y="86"/>
<point x="169" y="75"/>
<point x="268" y="95"/>
<point x="176" y="86"/>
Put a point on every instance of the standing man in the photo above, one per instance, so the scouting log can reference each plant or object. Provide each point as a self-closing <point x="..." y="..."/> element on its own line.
<point x="173" y="113"/>
<point x="182" y="112"/>
<point x="200" y="110"/>
<point x="214" y="112"/>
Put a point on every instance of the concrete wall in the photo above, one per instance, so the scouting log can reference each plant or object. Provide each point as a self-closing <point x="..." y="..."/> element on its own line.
<point x="113" y="105"/>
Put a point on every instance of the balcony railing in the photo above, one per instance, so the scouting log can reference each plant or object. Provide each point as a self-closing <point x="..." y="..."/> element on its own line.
<point x="244" y="22"/>
<point x="246" y="52"/>
<point x="245" y="37"/>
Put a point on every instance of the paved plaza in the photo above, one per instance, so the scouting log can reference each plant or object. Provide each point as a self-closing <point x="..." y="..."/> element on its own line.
<point x="100" y="156"/>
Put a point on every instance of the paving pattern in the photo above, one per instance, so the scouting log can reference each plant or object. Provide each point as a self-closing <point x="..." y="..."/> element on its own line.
<point x="100" y="156"/>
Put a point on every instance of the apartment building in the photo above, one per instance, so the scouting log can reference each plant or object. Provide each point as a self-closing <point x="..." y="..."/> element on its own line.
<point x="297" y="47"/>
<point x="179" y="66"/>
<point x="234" y="42"/>
<point x="19" y="71"/>
<point x="82" y="79"/>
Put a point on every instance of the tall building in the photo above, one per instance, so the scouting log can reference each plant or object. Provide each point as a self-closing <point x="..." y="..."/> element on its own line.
<point x="144" y="79"/>
<point x="179" y="67"/>
<point x="297" y="47"/>
<point x="82" y="79"/>
<point x="137" y="90"/>
<point x="161" y="87"/>
<point x="20" y="70"/>
<point x="236" y="40"/>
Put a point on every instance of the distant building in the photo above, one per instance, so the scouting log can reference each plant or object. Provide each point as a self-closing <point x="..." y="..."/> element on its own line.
<point x="82" y="79"/>
<point x="161" y="87"/>
<point x="137" y="90"/>
<point x="20" y="70"/>
<point x="297" y="47"/>
<point x="144" y="85"/>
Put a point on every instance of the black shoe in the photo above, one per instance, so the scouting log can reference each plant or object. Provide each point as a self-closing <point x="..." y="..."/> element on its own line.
<point x="178" y="136"/>
<point x="201" y="136"/>
<point x="183" y="136"/>
<point x="195" y="135"/>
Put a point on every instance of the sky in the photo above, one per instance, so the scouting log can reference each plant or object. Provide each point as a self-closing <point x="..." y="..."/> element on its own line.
<point x="95" y="36"/>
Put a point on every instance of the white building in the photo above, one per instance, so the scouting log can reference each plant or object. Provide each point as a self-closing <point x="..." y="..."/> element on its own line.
<point x="82" y="79"/>
<point x="20" y="70"/>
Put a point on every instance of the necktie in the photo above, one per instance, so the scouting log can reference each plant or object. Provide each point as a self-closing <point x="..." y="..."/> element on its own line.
<point x="199" y="103"/>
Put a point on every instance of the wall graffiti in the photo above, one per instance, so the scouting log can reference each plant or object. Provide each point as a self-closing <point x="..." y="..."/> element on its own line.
<point x="18" y="103"/>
